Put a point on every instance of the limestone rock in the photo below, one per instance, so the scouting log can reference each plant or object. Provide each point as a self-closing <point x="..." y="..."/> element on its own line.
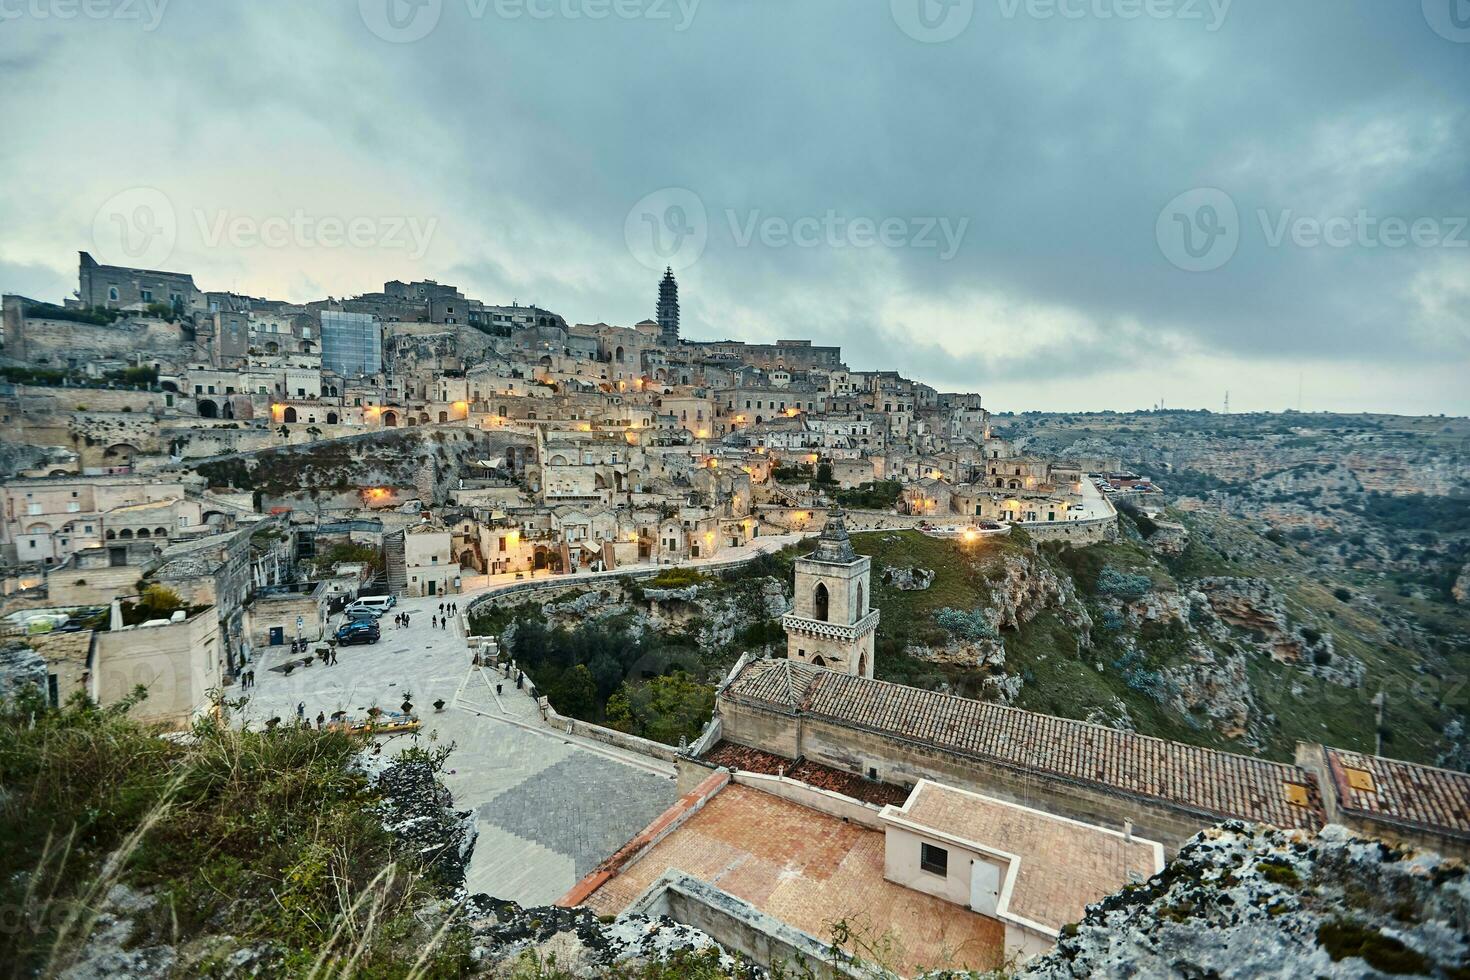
<point x="964" y="653"/>
<point x="20" y="666"/>
<point x="1247" y="901"/>
<point x="908" y="579"/>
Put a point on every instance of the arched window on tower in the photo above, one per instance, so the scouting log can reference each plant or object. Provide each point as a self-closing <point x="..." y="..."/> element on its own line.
<point x="861" y="607"/>
<point x="819" y="602"/>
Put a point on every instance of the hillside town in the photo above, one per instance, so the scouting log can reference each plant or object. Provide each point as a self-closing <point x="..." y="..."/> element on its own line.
<point x="649" y="595"/>
<point x="144" y="413"/>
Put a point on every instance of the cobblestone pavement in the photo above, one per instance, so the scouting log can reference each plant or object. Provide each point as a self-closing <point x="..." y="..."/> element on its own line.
<point x="548" y="807"/>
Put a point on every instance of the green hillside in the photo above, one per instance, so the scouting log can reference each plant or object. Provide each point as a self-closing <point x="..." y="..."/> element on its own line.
<point x="1193" y="678"/>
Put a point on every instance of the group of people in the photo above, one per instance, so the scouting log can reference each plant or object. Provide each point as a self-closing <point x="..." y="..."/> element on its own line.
<point x="441" y="621"/>
<point x="400" y="619"/>
<point x="321" y="717"/>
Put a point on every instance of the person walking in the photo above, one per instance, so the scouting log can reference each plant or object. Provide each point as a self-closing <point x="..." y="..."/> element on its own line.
<point x="333" y="661"/>
<point x="300" y="710"/>
<point x="433" y="622"/>
<point x="321" y="719"/>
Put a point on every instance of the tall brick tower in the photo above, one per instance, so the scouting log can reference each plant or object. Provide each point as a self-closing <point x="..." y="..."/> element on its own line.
<point x="668" y="309"/>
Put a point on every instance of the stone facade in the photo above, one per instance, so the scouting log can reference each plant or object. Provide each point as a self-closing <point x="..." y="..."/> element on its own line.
<point x="831" y="624"/>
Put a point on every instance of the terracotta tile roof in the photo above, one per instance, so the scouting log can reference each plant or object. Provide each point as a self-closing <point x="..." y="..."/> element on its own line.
<point x="1216" y="784"/>
<point x="1402" y="792"/>
<point x="777" y="682"/>
<point x="746" y="759"/>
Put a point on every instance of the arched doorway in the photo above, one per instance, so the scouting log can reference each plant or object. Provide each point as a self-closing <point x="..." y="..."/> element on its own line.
<point x="331" y="418"/>
<point x="817" y="661"/>
<point x="390" y="419"/>
<point x="208" y="409"/>
<point x="289" y="415"/>
<point x="443" y="417"/>
<point x="819" y="602"/>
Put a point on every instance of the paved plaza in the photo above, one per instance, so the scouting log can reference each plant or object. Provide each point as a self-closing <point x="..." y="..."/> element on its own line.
<point x="548" y="806"/>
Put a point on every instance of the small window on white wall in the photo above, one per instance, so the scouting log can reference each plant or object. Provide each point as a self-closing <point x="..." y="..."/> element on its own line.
<point x="934" y="860"/>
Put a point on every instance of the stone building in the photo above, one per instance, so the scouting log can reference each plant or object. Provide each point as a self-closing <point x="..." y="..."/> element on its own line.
<point x="114" y="287"/>
<point x="831" y="625"/>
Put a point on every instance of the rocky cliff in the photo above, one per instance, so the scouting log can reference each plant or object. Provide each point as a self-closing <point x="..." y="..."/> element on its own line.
<point x="1249" y="901"/>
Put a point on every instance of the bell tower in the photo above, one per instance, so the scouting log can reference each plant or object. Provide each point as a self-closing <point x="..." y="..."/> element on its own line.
<point x="831" y="623"/>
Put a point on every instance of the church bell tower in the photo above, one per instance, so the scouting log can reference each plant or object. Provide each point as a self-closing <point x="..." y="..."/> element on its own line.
<point x="831" y="624"/>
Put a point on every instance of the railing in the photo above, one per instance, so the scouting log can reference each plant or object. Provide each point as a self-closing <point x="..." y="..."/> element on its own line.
<point x="836" y="631"/>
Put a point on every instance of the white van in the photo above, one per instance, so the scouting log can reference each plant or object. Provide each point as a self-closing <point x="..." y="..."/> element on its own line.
<point x="375" y="604"/>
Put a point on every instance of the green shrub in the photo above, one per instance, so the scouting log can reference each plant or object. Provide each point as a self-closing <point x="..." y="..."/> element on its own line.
<point x="974" y="625"/>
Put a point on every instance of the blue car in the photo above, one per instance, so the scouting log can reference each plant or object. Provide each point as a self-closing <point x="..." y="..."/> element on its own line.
<point x="358" y="631"/>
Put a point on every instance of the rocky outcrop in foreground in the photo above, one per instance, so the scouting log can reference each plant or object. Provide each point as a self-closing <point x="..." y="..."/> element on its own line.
<point x="1249" y="901"/>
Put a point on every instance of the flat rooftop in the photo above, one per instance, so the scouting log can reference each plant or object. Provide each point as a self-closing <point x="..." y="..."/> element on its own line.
<point x="1063" y="865"/>
<point x="810" y="870"/>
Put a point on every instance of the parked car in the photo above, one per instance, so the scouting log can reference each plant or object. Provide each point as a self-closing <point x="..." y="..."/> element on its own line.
<point x="379" y="604"/>
<point x="357" y="632"/>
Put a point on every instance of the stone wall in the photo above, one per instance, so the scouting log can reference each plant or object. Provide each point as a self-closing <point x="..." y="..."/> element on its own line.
<point x="59" y="342"/>
<point x="739" y="926"/>
<point x="607" y="736"/>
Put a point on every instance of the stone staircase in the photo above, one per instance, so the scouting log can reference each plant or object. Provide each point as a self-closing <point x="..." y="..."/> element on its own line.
<point x="394" y="562"/>
<point x="783" y="495"/>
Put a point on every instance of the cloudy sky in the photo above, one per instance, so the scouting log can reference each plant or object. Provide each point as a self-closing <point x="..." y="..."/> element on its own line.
<point x="1063" y="204"/>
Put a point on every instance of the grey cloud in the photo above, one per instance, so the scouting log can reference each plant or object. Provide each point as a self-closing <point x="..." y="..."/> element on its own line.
<point x="1059" y="141"/>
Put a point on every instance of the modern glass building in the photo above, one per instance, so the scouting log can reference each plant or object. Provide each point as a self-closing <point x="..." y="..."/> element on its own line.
<point x="352" y="343"/>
